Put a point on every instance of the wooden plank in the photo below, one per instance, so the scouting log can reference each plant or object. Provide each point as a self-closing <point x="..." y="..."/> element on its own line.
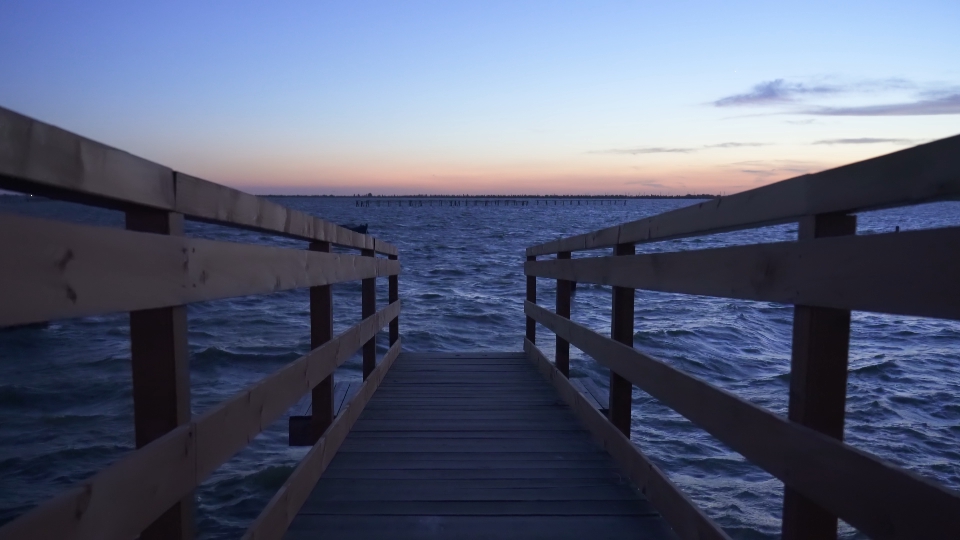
<point x="42" y="159"/>
<point x="45" y="160"/>
<point x="562" y="357"/>
<point x="455" y="490"/>
<point x="160" y="368"/>
<point x="818" y="382"/>
<point x="480" y="508"/>
<point x="687" y="520"/>
<point x="443" y="444"/>
<point x="280" y="511"/>
<point x="321" y="331"/>
<point x="905" y="273"/>
<point x="531" y="297"/>
<point x="122" y="499"/>
<point x="446" y="460"/>
<point x="368" y="307"/>
<point x="467" y="473"/>
<point x="209" y="202"/>
<point x="119" y="501"/>
<point x="578" y="384"/>
<point x="920" y="174"/>
<point x="479" y="527"/>
<point x="595" y="391"/>
<point x="65" y="270"/>
<point x="393" y="294"/>
<point x="621" y="329"/>
<point x="877" y="497"/>
<point x="350" y="390"/>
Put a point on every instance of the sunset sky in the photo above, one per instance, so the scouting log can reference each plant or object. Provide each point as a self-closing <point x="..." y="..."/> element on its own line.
<point x="401" y="97"/>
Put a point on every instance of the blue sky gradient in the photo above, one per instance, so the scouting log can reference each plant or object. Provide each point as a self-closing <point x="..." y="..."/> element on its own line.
<point x="489" y="97"/>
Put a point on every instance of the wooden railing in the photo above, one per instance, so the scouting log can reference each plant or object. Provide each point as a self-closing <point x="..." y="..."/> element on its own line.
<point x="54" y="270"/>
<point x="826" y="274"/>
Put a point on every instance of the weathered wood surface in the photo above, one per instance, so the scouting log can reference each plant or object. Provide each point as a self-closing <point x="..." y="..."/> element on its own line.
<point x="686" y="518"/>
<point x="923" y="173"/>
<point x="280" y="511"/>
<point x="160" y="366"/>
<point x="472" y="445"/>
<point x="42" y="159"/>
<point x="905" y="273"/>
<point x="875" y="496"/>
<point x="123" y="499"/>
<point x="66" y="270"/>
<point x="818" y="382"/>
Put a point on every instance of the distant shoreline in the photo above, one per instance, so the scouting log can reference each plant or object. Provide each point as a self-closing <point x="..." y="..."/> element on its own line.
<point x="687" y="196"/>
<point x="526" y="196"/>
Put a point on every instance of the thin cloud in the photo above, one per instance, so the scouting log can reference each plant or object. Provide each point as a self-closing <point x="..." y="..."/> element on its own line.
<point x="949" y="104"/>
<point x="774" y="92"/>
<point x="671" y="150"/>
<point x="647" y="183"/>
<point x="644" y="150"/>
<point x="735" y="145"/>
<point x="866" y="140"/>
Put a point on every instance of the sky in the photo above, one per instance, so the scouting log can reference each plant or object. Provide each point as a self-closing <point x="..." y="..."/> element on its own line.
<point x="489" y="97"/>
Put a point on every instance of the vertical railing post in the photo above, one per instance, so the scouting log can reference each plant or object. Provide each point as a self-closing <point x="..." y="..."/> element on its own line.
<point x="621" y="329"/>
<point x="563" y="309"/>
<point x="369" y="307"/>
<point x="818" y="381"/>
<point x="321" y="331"/>
<point x="532" y="297"/>
<point x="394" y="295"/>
<point x="160" y="362"/>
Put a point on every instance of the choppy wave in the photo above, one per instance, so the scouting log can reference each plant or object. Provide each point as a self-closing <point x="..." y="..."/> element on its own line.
<point x="66" y="407"/>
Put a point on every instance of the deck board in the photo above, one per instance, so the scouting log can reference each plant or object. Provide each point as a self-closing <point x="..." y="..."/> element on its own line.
<point x="472" y="445"/>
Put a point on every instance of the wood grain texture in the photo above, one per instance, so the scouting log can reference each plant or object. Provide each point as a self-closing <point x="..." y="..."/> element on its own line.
<point x="620" y="401"/>
<point x="531" y="330"/>
<point x="65" y="270"/>
<point x="442" y="440"/>
<point x="121" y="500"/>
<point x="818" y="382"/>
<point x="276" y="517"/>
<point x="321" y="331"/>
<point x="214" y="203"/>
<point x="920" y="174"/>
<point x="687" y="520"/>
<point x="905" y="273"/>
<point x="160" y="366"/>
<point x="564" y="288"/>
<point x="877" y="497"/>
<point x="42" y="159"/>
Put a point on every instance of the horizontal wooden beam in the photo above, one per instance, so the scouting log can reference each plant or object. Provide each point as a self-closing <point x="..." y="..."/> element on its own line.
<point x="121" y="500"/>
<point x="42" y="159"/>
<point x="923" y="173"/>
<point x="687" y="520"/>
<point x="214" y="203"/>
<point x="59" y="270"/>
<point x="876" y="497"/>
<point x="906" y="273"/>
<point x="276" y="517"/>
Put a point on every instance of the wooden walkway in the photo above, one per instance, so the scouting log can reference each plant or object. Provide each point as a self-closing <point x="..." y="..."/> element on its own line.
<point x="472" y="445"/>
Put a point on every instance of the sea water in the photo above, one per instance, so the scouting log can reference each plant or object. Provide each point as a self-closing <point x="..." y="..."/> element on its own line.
<point x="65" y="390"/>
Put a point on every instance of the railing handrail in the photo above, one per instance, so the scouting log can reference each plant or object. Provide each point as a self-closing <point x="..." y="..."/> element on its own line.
<point x="924" y="173"/>
<point x="42" y="159"/>
<point x="151" y="270"/>
<point x="827" y="273"/>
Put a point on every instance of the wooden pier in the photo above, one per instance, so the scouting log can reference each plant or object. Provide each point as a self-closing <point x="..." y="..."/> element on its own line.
<point x="505" y="202"/>
<point x="474" y="445"/>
